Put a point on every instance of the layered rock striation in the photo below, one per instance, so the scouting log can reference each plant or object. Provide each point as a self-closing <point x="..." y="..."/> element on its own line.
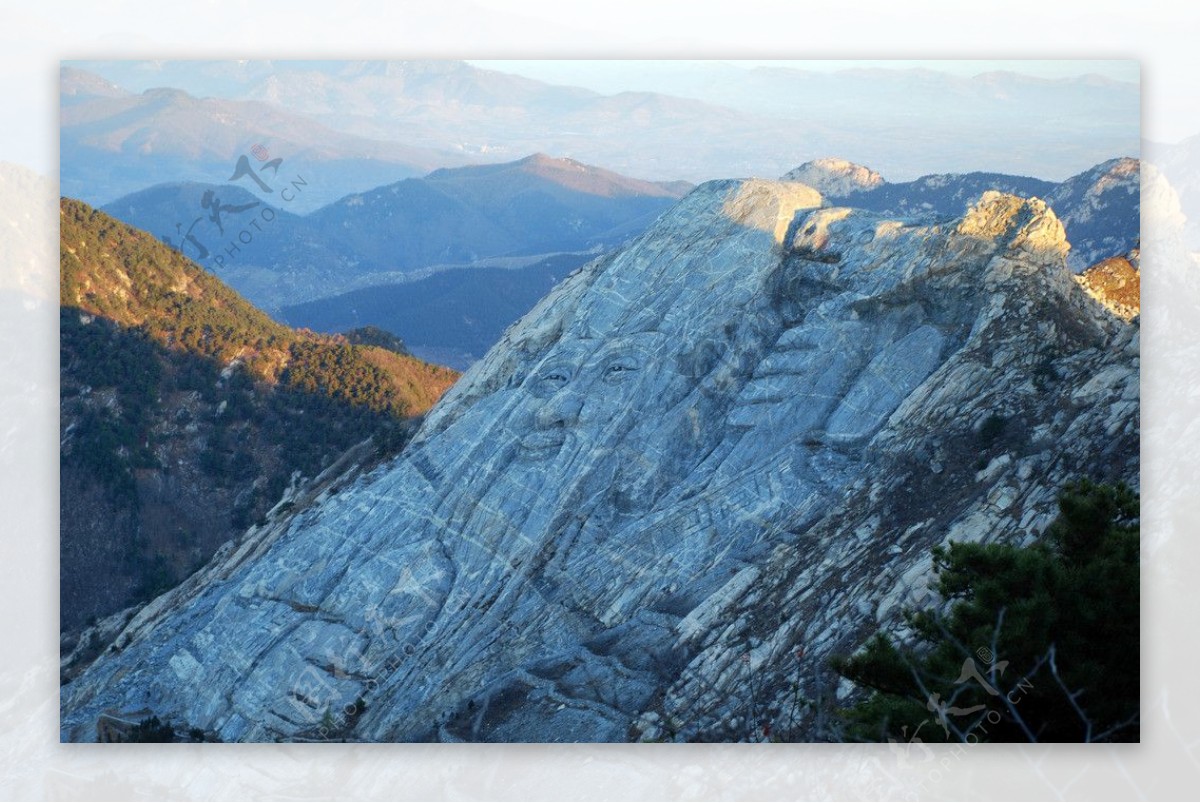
<point x="692" y="473"/>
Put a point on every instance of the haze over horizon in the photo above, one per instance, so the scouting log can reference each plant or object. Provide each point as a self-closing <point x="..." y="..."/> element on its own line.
<point x="697" y="120"/>
<point x="602" y="75"/>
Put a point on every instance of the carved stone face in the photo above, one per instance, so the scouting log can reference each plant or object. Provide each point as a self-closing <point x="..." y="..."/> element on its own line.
<point x="587" y="391"/>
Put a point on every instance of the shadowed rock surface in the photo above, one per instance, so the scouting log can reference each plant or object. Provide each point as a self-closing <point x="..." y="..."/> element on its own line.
<point x="696" y="470"/>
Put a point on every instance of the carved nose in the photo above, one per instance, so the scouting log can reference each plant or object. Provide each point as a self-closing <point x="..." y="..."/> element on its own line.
<point x="560" y="410"/>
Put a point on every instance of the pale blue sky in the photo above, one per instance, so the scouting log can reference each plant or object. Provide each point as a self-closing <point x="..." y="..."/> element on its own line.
<point x="618" y="75"/>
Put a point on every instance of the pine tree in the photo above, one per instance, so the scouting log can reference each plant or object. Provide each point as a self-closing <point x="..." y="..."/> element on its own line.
<point x="1037" y="643"/>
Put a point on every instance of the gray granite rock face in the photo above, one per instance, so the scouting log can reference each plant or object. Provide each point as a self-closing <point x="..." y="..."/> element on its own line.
<point x="693" y="472"/>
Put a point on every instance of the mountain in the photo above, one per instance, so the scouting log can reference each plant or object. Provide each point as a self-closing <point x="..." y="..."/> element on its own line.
<point x="78" y="86"/>
<point x="202" y="221"/>
<point x="1100" y="207"/>
<point x="793" y="91"/>
<point x="536" y="205"/>
<point x="186" y="412"/>
<point x="488" y="115"/>
<point x="459" y="216"/>
<point x="452" y="317"/>
<point x="265" y="251"/>
<point x="715" y="121"/>
<point x="231" y="231"/>
<point x="115" y="142"/>
<point x="698" y="469"/>
<point x="329" y="85"/>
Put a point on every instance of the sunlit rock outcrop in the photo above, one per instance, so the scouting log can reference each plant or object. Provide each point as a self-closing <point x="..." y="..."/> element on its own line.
<point x="1116" y="283"/>
<point x="835" y="177"/>
<point x="696" y="470"/>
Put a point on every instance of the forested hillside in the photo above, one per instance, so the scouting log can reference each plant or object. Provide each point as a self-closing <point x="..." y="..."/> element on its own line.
<point x="186" y="412"/>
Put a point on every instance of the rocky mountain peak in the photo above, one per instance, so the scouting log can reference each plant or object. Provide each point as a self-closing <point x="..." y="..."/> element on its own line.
<point x="696" y="470"/>
<point x="1021" y="222"/>
<point x="1124" y="167"/>
<point x="835" y="177"/>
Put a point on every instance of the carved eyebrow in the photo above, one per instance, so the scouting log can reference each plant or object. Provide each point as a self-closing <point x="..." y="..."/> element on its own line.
<point x="634" y="358"/>
<point x="570" y="355"/>
<point x="622" y="364"/>
<point x="619" y="371"/>
<point x="639" y="346"/>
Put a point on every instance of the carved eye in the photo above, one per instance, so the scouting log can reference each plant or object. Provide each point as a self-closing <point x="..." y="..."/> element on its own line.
<point x="550" y="380"/>
<point x="620" y="369"/>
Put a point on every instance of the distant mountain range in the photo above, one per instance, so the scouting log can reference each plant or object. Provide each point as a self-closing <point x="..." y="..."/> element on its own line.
<point x="114" y="142"/>
<point x="720" y="122"/>
<point x="364" y="260"/>
<point x="203" y="222"/>
<point x="537" y="205"/>
<point x="883" y="91"/>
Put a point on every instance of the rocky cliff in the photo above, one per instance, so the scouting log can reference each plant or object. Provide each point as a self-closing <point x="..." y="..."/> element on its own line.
<point x="695" y="471"/>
